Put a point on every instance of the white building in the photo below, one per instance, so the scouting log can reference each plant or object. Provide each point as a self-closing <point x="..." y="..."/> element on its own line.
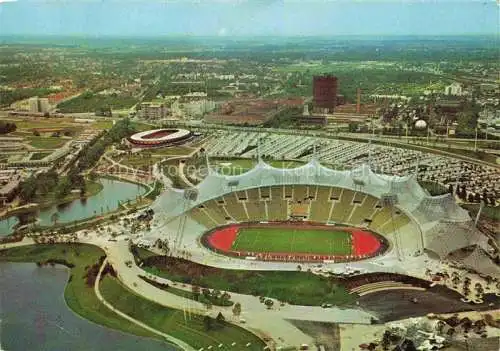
<point x="152" y="110"/>
<point x="43" y="105"/>
<point x="454" y="88"/>
<point x="33" y="104"/>
<point x="36" y="104"/>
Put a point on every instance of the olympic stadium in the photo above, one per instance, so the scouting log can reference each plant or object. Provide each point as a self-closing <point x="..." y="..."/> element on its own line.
<point x="159" y="138"/>
<point x="353" y="220"/>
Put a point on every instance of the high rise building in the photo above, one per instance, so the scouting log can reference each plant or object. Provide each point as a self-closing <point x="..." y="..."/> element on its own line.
<point x="152" y="110"/>
<point x="324" y="93"/>
<point x="33" y="104"/>
<point x="43" y="105"/>
<point x="37" y="104"/>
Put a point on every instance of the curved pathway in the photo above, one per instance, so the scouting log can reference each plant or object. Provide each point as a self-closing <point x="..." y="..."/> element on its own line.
<point x="273" y="324"/>
<point x="133" y="320"/>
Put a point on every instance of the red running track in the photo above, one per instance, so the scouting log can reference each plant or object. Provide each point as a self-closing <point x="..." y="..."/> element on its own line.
<point x="364" y="243"/>
<point x="223" y="239"/>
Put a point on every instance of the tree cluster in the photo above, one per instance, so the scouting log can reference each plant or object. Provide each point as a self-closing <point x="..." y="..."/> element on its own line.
<point x="91" y="153"/>
<point x="50" y="182"/>
<point x="214" y="324"/>
<point x="7" y="127"/>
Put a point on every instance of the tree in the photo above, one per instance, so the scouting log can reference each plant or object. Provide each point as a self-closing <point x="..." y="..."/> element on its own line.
<point x="470" y="197"/>
<point x="269" y="303"/>
<point x="220" y="319"/>
<point x="54" y="218"/>
<point x="6" y="127"/>
<point x="353" y="127"/>
<point x="64" y="187"/>
<point x="386" y="340"/>
<point x="28" y="189"/>
<point x="450" y="188"/>
<point x="208" y="323"/>
<point x="225" y="296"/>
<point x="477" y="197"/>
<point x="196" y="291"/>
<point x="237" y="309"/>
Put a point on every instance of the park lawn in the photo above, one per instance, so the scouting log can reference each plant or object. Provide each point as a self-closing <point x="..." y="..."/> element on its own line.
<point x="94" y="102"/>
<point x="282" y="240"/>
<point x="30" y="124"/>
<point x="39" y="155"/>
<point x="141" y="126"/>
<point x="487" y="212"/>
<point x="102" y="124"/>
<point x="172" y="322"/>
<point x="298" y="288"/>
<point x="136" y="160"/>
<point x="47" y="142"/>
<point x="79" y="297"/>
<point x="172" y="151"/>
<point x="285" y="164"/>
<point x="188" y="294"/>
<point x="233" y="166"/>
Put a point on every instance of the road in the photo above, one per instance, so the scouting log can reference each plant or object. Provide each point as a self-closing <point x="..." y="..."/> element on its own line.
<point x="135" y="321"/>
<point x="273" y="323"/>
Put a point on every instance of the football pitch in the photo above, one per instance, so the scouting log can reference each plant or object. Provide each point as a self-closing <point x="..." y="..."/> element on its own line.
<point x="283" y="240"/>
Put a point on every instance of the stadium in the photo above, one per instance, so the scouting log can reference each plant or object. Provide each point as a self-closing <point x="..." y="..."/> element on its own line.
<point x="272" y="219"/>
<point x="160" y="138"/>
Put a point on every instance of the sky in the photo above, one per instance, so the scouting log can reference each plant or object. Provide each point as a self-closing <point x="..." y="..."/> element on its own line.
<point x="248" y="17"/>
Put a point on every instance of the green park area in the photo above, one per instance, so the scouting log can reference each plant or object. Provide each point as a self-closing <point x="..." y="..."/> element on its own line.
<point x="196" y="330"/>
<point x="284" y="240"/>
<point x="299" y="288"/>
<point x="91" y="102"/>
<point x="79" y="292"/>
<point x="149" y="157"/>
<point x="84" y="262"/>
<point x="39" y="155"/>
<point x="40" y="142"/>
<point x="49" y="188"/>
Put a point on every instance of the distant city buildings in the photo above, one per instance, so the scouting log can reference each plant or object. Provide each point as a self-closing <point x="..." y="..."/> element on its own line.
<point x="193" y="108"/>
<point x="153" y="110"/>
<point x="489" y="118"/>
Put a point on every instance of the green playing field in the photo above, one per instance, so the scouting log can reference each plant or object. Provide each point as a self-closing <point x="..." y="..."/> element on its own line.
<point x="282" y="240"/>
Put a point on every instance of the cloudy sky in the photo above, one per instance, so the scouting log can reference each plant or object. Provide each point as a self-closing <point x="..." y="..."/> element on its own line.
<point x="248" y="17"/>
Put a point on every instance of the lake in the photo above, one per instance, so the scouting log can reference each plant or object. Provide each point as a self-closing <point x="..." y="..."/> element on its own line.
<point x="34" y="316"/>
<point x="106" y="200"/>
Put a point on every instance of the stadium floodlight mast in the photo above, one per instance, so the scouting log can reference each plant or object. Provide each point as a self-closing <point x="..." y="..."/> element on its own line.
<point x="370" y="153"/>
<point x="207" y="161"/>
<point x="190" y="195"/>
<point x="390" y="200"/>
<point x="416" y="166"/>
<point x="481" y="206"/>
